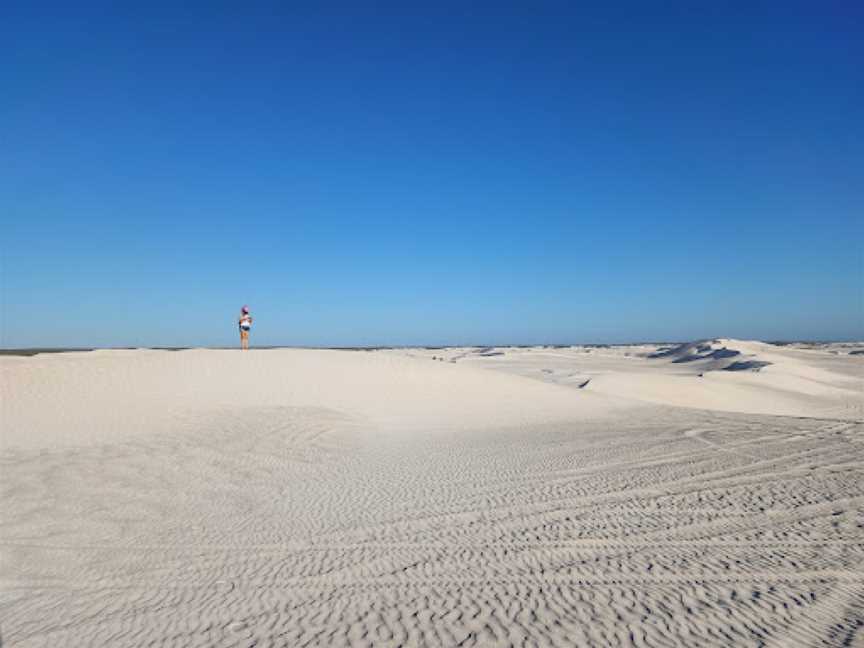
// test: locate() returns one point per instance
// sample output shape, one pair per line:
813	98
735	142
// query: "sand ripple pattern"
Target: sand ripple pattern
299	527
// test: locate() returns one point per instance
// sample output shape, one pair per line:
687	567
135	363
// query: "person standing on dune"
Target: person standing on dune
245	323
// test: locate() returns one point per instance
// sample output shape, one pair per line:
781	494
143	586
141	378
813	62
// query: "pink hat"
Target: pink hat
245	309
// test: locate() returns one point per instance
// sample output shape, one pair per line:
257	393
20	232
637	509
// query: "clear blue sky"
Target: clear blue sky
447	173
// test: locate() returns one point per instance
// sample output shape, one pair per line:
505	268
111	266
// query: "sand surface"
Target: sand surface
703	495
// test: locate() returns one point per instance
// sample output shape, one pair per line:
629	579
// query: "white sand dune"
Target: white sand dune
325	498
723	374
75	398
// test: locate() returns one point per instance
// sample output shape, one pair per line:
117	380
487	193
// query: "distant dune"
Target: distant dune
793	380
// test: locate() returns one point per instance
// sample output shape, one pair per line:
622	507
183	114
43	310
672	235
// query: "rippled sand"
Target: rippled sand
290	498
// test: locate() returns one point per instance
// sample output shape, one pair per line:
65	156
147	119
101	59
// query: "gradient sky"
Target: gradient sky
439	174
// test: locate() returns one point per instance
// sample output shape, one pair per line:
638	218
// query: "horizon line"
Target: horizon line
34	350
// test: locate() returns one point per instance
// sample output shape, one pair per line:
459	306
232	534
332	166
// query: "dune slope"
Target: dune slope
78	398
723	374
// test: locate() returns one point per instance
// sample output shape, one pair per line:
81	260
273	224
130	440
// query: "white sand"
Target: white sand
289	498
795	382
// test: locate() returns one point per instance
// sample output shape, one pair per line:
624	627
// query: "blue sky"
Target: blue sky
440	174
